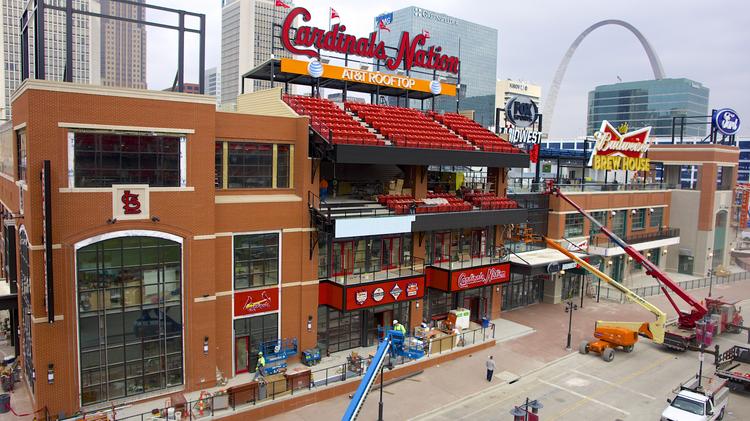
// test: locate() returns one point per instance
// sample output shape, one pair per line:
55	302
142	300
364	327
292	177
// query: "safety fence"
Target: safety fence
648	291
239	398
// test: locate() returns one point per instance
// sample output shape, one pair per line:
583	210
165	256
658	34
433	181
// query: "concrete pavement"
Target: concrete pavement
529	354
582	387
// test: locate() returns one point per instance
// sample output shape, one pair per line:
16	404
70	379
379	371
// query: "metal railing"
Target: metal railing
498	254
651	290
662	233
525	185
530	200
411	266
239	398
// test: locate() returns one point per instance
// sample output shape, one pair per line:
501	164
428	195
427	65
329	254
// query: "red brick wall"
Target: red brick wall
207	267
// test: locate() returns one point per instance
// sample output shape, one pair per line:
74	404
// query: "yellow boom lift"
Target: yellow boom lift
610	335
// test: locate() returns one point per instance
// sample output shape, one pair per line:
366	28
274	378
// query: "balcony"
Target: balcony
665	236
464	271
359	274
349	217
528	186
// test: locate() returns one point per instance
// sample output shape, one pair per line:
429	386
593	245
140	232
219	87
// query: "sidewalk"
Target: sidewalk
20	399
514	357
642	281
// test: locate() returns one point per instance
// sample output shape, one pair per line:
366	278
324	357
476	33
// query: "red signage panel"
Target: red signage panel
479	277
247	303
378	293
438	278
331	294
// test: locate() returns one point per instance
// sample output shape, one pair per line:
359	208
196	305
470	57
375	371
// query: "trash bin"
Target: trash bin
4	403
485	322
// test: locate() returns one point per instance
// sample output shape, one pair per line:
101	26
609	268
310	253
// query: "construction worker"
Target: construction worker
259	368
398	327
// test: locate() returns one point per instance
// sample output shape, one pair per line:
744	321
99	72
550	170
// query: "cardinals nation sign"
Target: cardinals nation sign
614	150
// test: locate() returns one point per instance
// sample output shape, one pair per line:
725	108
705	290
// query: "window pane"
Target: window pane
103	159
256	260
131	316
250	165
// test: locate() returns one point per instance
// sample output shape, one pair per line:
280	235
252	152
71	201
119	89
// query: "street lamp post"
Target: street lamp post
570	307
710	281
521	413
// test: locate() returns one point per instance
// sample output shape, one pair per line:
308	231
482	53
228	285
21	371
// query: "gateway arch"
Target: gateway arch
549	105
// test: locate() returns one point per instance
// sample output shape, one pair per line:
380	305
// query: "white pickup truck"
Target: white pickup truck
707	402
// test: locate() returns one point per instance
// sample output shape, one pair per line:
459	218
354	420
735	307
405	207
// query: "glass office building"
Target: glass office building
474	44
649	103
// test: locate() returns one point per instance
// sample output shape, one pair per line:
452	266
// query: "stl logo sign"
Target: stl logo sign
131	203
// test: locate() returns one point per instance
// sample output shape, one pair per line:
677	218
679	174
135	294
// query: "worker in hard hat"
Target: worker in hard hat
398	327
260	366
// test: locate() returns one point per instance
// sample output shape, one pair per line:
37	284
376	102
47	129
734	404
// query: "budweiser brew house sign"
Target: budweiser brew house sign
618	149
307	40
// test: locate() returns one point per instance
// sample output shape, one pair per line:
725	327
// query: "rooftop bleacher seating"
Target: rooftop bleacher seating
490	200
407	127
474	132
332	122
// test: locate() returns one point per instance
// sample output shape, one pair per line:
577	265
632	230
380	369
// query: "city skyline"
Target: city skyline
527	53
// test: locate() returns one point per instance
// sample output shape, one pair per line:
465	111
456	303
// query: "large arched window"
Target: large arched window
28	350
129	315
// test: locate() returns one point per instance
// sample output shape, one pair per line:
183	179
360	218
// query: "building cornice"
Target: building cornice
78	88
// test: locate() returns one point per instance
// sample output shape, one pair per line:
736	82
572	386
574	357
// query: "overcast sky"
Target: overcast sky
701	40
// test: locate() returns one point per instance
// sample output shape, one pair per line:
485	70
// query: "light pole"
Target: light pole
521	413
710	281
570	307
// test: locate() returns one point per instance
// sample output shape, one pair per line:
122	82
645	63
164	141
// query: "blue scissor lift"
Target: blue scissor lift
276	353
394	344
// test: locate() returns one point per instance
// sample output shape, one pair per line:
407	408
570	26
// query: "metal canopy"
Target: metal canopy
273	67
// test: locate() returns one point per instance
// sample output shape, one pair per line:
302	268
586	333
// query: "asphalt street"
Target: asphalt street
634	386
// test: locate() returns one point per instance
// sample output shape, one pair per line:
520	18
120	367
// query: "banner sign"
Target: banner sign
247	303
309	40
328	71
379	293
479	277
619	150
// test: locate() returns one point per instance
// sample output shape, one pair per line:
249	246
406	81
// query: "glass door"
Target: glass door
342	258
242	354
391	252
477	243
442	247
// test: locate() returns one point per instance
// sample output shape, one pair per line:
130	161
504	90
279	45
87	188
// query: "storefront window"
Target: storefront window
439	303
522	290
28	351
256	260
251	165
655	220
600	217
130	317
364	255
573	225
639	220
343	329
249	334
104	159
619	222
460	245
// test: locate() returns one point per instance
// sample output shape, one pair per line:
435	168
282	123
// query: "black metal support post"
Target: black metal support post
68	74
39	69
583	287
570	307
380	404
598	290
181	54
202	57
